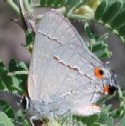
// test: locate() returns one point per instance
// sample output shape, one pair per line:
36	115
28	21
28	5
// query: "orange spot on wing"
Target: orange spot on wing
98	73
106	89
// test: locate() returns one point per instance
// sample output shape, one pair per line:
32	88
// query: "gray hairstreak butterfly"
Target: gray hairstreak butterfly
64	76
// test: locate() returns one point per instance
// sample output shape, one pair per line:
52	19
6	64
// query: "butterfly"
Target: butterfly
64	76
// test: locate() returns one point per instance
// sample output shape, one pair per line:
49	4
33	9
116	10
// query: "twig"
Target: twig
13	5
17	73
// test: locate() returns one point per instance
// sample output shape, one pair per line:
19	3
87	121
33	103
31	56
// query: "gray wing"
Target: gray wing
61	64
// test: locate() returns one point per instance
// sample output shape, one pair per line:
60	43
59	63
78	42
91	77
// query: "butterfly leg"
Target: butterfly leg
32	119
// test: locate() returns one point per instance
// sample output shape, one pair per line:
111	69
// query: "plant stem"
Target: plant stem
13	6
17	73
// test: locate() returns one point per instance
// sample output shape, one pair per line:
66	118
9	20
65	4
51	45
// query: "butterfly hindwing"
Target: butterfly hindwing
61	64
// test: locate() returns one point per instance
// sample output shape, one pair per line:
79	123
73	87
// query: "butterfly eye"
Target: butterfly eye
98	73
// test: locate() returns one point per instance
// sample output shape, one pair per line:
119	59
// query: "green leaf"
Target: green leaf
43	2
5	80
97	44
109	121
92	119
118	19
29	38
87	120
52	3
101	9
16	84
96	124
104	53
21	118
15	79
23	66
122	122
103	117
15	66
30	1
112	9
88	31
112	14
4	120
6	108
12	65
59	2
121	30
1	63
